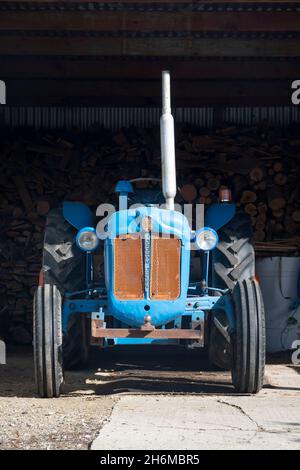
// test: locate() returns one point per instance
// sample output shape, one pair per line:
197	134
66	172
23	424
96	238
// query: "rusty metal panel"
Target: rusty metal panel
165	268
128	268
171	333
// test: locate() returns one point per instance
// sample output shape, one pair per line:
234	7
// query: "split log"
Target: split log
213	184
262	186
276	201
290	226
250	209
280	179
204	192
296	216
278	167
188	192
278	214
248	196
256	174
261	218
262	208
260	226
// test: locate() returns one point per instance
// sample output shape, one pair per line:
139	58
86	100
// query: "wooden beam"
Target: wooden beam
183	88
143	68
150	21
103	46
148	92
220	101
210	2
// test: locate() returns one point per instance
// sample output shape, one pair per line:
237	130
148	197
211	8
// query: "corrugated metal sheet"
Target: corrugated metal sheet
114	118
282	115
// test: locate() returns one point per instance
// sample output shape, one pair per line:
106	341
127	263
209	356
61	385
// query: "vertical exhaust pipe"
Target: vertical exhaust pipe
167	142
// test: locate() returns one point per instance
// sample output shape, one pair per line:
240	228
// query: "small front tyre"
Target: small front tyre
248	344
47	341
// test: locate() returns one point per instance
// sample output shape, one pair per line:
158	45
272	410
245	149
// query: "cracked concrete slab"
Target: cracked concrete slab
202	422
146	399
207	417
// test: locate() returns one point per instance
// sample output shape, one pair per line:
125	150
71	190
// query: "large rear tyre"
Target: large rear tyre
233	260
248	343
234	257
63	266
47	341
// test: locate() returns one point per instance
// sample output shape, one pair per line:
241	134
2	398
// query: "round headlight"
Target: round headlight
87	239
206	239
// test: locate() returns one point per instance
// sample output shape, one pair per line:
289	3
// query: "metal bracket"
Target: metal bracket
172	333
97	323
222	329
75	306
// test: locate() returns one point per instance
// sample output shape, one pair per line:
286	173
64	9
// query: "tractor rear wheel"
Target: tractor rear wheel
233	260
248	343
47	341
64	267
234	257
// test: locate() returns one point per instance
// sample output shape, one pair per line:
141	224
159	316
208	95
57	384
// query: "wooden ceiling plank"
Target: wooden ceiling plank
131	68
248	21
170	47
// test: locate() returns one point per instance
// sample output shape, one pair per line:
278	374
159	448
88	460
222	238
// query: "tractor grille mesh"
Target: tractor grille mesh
165	269
128	268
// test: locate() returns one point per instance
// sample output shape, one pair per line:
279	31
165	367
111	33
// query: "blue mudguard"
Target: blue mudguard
78	214
219	215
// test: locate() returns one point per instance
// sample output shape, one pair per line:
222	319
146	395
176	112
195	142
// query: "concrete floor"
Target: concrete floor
149	399
202	422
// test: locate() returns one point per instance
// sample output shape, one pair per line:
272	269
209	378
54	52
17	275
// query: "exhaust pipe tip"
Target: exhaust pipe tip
167	143
166	92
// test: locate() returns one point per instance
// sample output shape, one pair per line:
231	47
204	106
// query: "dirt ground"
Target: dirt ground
74	420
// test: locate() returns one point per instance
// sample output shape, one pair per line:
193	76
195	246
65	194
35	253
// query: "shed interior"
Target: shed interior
83	99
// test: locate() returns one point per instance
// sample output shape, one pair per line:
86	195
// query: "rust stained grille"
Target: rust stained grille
128	268
165	268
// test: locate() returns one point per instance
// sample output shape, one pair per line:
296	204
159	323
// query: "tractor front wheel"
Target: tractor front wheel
47	341
249	341
63	266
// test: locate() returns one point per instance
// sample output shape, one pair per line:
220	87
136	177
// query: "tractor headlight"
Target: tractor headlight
87	239
206	239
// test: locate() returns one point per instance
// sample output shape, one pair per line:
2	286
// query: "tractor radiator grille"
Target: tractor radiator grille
128	268
165	268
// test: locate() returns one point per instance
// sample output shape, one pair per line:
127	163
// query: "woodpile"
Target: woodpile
260	165
40	170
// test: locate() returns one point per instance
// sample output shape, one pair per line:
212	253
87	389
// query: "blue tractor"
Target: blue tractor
148	294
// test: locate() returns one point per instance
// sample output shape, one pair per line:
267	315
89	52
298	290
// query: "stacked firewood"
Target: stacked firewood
261	167
40	170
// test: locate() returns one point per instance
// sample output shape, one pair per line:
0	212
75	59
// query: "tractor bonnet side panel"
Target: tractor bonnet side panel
147	267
